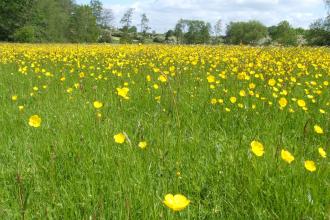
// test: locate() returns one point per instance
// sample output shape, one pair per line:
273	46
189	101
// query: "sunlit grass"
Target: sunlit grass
106	132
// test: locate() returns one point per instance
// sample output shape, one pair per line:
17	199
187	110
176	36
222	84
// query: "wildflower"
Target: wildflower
252	86
318	129
211	79
272	82
257	148
214	101
98	104
123	92
310	165
177	202
301	103
69	90
21	107
143	144
14	97
287	156
322	152
119	138
35	121
322	111
162	78
283	102
233	100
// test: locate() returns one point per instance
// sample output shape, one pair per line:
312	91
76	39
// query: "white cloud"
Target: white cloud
164	14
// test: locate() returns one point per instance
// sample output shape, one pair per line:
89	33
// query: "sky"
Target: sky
164	14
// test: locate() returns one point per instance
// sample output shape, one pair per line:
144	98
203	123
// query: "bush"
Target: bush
25	34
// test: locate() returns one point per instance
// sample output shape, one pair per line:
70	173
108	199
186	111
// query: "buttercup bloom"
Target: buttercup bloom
143	144
287	156
177	202
322	152
310	165
257	148
35	121
119	138
318	129
98	104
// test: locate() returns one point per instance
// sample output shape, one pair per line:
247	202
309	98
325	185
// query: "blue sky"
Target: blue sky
163	14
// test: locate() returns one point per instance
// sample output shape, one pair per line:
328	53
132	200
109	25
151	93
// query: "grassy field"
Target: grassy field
241	132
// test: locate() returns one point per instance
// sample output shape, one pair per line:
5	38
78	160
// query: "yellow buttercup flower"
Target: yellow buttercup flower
162	78
98	104
14	97
211	79
322	152
119	138
283	102
301	103
318	129
214	101
123	92
242	93
143	144
257	148
35	121
233	100
310	166
272	82
287	156
177	202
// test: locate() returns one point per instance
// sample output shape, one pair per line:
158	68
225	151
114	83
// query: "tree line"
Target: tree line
66	21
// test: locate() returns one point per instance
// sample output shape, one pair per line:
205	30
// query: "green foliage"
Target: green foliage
25	34
319	33
83	27
14	14
246	32
52	19
283	33
126	39
97	8
192	31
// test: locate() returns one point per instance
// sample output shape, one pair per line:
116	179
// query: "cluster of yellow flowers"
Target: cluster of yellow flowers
258	149
232	80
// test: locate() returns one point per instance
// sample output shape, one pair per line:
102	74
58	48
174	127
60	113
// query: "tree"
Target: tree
83	26
144	24
198	32
107	18
245	32
180	30
217	30
283	33
51	19
97	8
169	34
126	21
127	18
319	32
14	14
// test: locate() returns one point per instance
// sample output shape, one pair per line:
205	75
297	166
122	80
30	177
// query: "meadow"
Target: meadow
108	132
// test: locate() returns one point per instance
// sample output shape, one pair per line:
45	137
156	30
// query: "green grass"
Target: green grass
71	168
